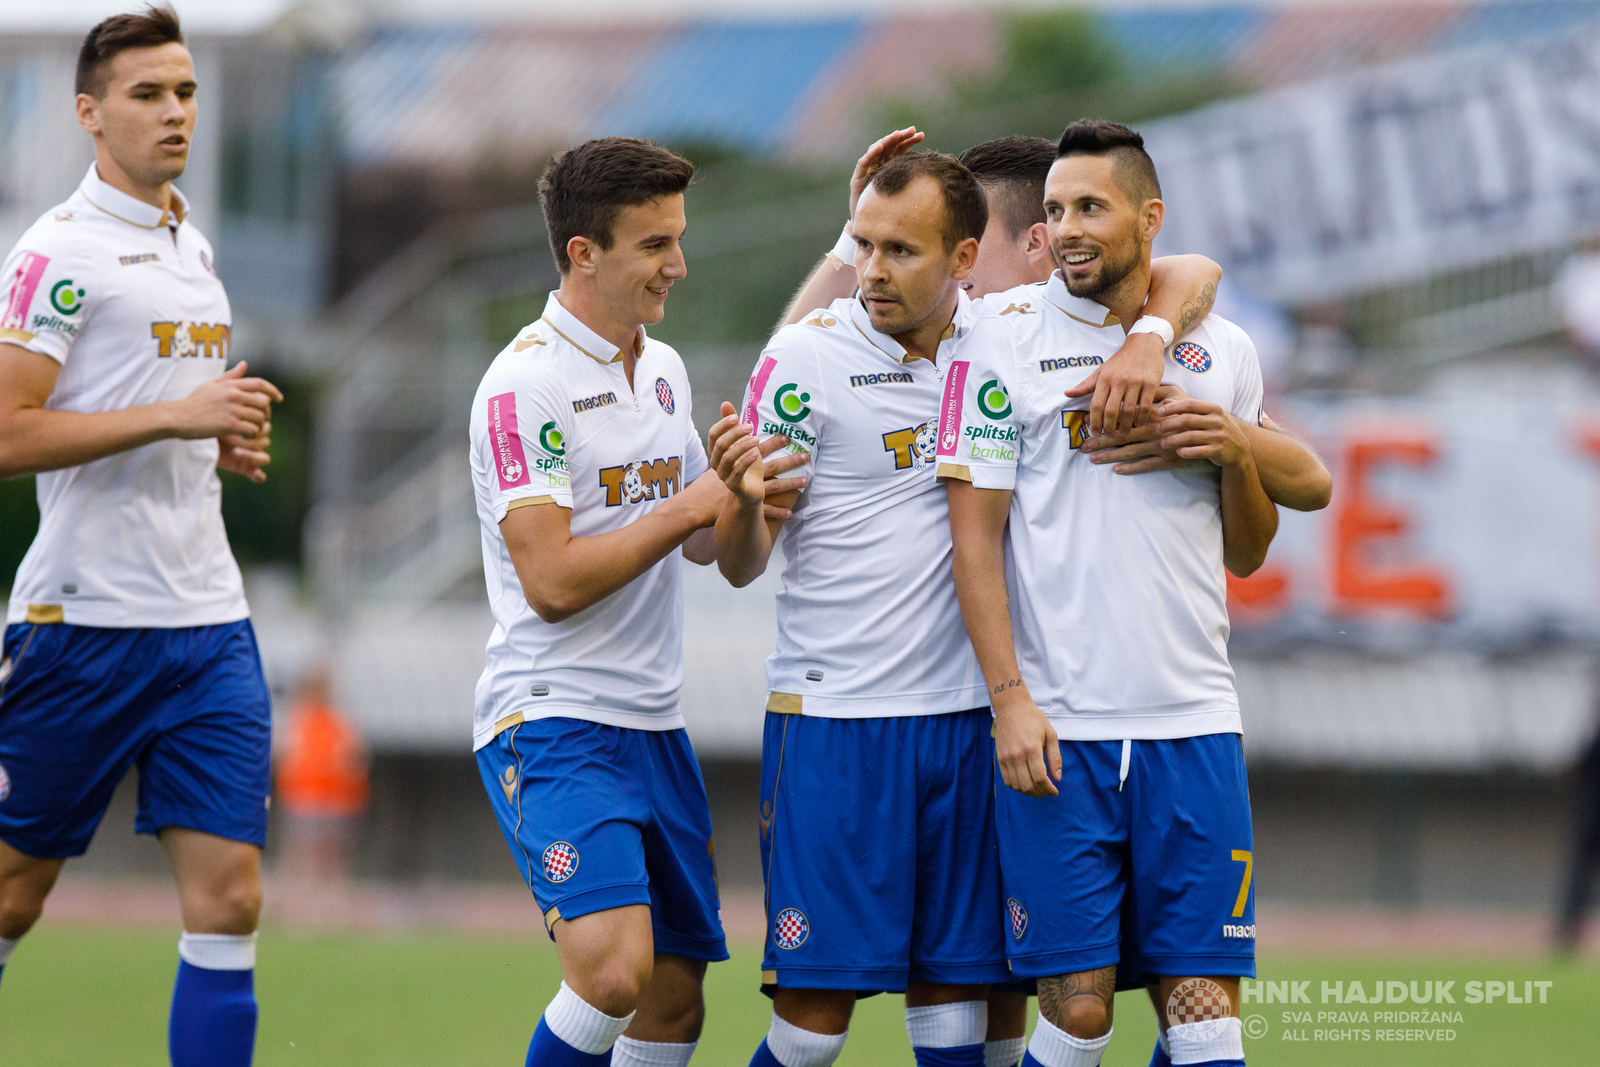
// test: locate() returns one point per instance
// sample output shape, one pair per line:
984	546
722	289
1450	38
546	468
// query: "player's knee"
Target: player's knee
1085	1018
20	908
615	987
232	907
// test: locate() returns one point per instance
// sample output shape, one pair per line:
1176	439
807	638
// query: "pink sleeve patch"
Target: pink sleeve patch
24	283
758	385
955	394
511	462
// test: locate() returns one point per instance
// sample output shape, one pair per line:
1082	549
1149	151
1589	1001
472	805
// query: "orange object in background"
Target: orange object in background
1361	518
322	769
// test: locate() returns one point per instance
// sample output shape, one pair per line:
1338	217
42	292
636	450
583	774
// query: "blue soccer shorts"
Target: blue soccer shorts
79	705
602	817
1154	874
879	852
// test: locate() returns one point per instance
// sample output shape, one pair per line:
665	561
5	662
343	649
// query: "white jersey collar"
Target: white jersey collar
130	209
966	312
585	340
1081	308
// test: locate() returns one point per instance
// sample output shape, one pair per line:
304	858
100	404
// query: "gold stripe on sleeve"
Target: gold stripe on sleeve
958	471
22	337
528	502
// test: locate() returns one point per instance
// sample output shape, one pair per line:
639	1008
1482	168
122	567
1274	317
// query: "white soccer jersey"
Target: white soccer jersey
126	298
1118	594
555	422
868	622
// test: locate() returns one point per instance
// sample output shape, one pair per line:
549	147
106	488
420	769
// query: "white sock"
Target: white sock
7	946
1054	1047
794	1047
581	1025
218	952
630	1053
1214	1039
948	1025
1006	1053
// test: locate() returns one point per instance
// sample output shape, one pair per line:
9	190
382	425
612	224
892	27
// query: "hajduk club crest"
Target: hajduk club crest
791	929
1190	355
664	395
1018	916
560	861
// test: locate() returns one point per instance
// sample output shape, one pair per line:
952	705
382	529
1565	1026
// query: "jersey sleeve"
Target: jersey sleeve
785	397
1247	384
978	426
523	444
47	295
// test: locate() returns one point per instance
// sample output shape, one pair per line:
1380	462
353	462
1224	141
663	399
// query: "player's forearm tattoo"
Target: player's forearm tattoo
1013	683
1057	994
1195	310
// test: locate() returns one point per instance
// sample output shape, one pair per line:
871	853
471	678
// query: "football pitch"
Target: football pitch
81	995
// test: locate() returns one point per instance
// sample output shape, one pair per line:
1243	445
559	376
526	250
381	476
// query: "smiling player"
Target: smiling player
128	637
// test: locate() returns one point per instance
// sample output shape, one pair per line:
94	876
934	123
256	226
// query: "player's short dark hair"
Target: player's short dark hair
1135	171
156	25
584	189
1012	171
966	210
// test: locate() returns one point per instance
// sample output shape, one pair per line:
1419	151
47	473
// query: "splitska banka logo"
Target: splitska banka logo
913	446
643	479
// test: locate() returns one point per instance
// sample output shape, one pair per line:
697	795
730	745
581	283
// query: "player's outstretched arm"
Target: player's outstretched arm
1026	746
1182	290
561	574
1198	430
760	499
34	438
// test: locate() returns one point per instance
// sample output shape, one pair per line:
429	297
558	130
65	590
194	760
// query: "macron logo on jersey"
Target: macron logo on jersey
23	285
510	461
955	389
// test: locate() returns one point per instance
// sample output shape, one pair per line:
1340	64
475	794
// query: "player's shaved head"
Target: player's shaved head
1012	172
585	188
1133	169
155	26
966	209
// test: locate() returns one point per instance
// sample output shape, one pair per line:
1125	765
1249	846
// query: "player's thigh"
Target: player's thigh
219	881
679	852
607	956
1063	862
207	768
841	852
25	881
958	934
1193	881
73	715
571	798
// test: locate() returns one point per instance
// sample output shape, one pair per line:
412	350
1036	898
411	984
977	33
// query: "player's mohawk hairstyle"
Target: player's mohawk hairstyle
1135	170
156	25
585	188
1012	171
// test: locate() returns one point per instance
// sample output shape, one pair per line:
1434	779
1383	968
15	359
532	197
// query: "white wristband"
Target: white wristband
844	250
1157	325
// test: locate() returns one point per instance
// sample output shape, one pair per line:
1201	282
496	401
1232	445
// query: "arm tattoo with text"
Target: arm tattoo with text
1003	686
1195	310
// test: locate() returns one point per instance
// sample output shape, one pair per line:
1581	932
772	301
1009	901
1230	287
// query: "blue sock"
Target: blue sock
548	1050
1159	1057
213	1022
955	1056
764	1056
1029	1061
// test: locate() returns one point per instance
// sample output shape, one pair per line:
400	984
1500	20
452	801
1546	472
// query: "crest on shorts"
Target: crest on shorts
791	929
5	782
1018	916
560	861
1190	355
664	395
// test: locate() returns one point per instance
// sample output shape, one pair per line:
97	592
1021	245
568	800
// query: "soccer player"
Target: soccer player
128	640
589	477
1097	606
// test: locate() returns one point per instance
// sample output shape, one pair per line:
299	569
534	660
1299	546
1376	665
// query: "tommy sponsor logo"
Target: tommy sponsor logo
1048	365
758	385
1018	916
135	260
955	384
560	861
914	446
886	378
24	283
185	339
589	403
1076	423
664	396
1192	356
790	929
643	479
510	461
1247	933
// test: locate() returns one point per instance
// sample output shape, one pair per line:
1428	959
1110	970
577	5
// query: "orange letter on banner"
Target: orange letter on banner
1361	519
1264	593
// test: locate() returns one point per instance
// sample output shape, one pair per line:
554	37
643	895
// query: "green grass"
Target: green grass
99	996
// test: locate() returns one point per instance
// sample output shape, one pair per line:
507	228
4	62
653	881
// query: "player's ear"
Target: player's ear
583	253
965	258
88	109
1154	213
1036	242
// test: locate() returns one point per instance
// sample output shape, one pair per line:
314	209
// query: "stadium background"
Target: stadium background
1405	198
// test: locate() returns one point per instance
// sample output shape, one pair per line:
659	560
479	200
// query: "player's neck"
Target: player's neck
585	304
923	341
1126	299
112	174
